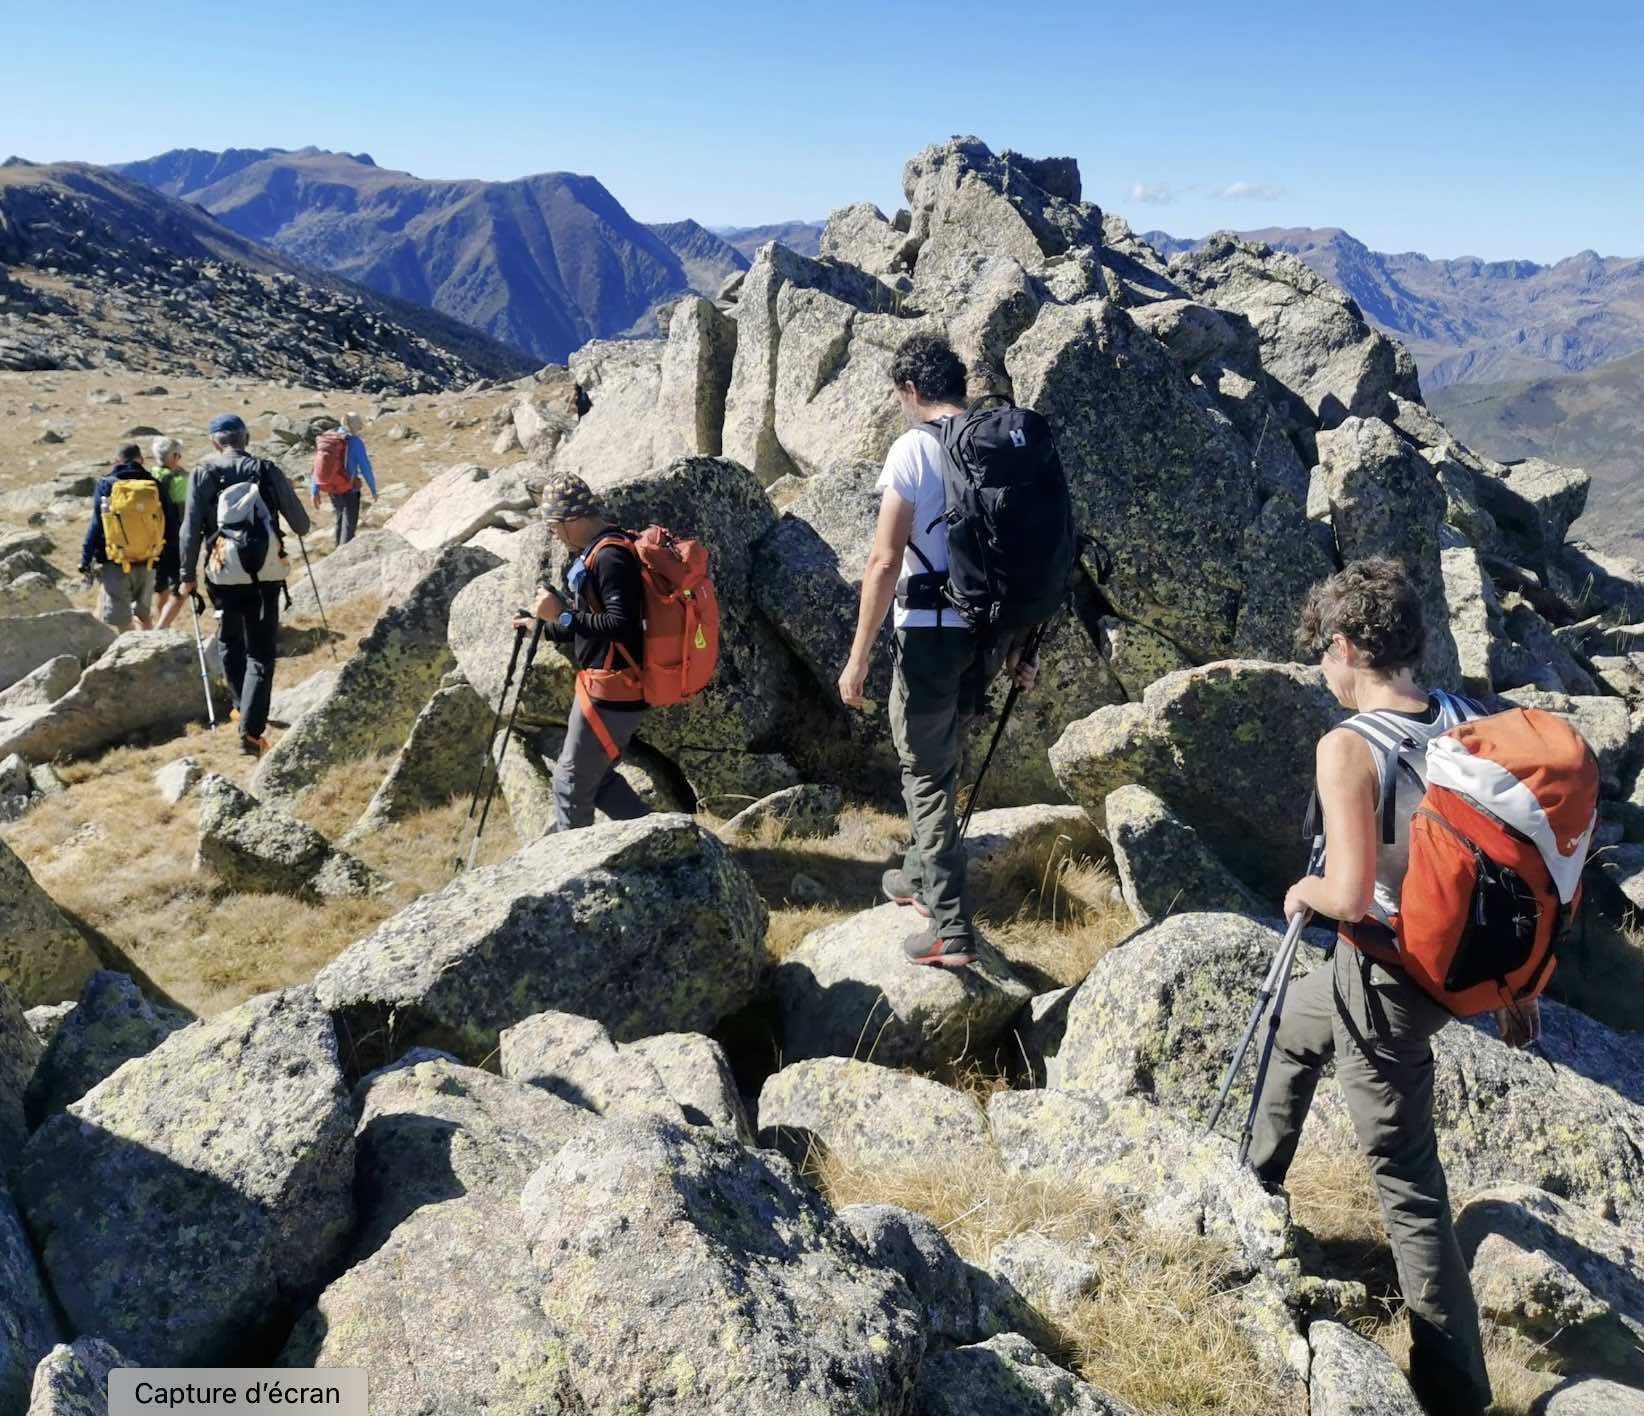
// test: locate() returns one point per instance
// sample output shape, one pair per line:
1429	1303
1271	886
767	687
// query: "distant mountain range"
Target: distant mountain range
544	263
1473	321
1593	420
805	237
96	267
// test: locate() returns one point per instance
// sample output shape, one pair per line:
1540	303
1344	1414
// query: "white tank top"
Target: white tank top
1398	743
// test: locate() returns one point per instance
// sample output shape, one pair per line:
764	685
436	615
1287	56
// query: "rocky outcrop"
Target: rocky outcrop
1315	342
1352	1376
440	759
1591	1396
941	1282
444	1153
111	1024
638	1232
43	957
1384	501
1247	803
1164	868
870	1116
41	687
145	682
847	991
805	810
180	1221
28	1327
375	701
698	1076
569	923
1560	1275
20	1049
72	1379
460	502
574	1059
373	566
253	847
31	640
1007	1376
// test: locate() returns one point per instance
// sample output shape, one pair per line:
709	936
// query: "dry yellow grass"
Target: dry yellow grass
1160	1331
1052	913
1520	1371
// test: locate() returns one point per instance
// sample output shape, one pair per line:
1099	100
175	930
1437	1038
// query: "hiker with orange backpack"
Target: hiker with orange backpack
644	633
1453	847
130	521
342	467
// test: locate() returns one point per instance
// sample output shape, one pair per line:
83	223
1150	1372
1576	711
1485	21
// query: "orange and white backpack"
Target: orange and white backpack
1496	849
681	649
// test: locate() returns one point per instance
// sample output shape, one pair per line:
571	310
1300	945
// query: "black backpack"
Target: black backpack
1011	543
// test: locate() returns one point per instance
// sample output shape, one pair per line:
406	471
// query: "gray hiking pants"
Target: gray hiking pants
347	507
1377	1025
940	685
585	779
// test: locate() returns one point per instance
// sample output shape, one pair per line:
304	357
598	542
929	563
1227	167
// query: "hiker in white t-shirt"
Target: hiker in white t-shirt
943	667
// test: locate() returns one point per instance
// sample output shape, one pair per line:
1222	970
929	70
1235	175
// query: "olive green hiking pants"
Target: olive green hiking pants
1377	1025
940	685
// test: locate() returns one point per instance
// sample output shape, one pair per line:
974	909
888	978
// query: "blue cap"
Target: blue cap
227	423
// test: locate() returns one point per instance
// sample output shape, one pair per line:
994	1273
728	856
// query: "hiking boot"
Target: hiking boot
899	890
253	746
929	948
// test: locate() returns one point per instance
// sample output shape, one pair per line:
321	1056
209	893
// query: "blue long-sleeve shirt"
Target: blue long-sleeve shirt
357	463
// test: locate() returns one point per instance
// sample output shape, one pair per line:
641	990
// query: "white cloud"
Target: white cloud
1249	192
1151	193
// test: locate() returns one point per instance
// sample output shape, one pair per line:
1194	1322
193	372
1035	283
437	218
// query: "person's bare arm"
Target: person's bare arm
890	541
1346	774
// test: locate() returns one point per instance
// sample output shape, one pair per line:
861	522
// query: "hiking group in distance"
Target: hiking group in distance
1448	840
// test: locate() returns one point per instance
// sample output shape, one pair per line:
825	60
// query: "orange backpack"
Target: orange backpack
681	649
1497	846
331	464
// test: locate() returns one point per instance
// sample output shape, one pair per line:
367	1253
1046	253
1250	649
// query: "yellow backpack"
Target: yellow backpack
134	526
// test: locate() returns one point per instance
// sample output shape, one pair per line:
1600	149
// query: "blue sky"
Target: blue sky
1499	130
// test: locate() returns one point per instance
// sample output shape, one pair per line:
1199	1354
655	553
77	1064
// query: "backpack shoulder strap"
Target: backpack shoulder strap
1389	743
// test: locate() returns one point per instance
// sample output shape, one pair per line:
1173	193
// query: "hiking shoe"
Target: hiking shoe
253	746
899	890
929	948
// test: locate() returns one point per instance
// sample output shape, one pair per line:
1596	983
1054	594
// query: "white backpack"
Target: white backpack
246	548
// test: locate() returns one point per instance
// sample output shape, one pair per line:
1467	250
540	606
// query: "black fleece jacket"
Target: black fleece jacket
609	609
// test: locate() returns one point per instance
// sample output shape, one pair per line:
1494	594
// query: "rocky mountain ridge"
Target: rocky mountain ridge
1471	321
89	258
544	263
504	1077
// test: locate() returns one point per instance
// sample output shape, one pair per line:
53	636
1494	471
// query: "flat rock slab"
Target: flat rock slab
571	923
179	1220
439	760
287	705
28	641
870	1115
805	810
1591	1396
575	1059
260	849
460	502
146	682
1007	1376
41	687
849	991
1032	829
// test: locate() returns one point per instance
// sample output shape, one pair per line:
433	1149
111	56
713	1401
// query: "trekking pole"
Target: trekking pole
1029	650
312	585
194	604
491	738
507	737
1273	989
1283	959
1291	939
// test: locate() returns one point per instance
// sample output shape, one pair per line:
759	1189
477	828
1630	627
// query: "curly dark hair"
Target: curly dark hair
927	361
129	452
1374	604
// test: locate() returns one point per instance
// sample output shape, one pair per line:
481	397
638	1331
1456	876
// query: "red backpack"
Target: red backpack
331	464
681	649
1497	846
